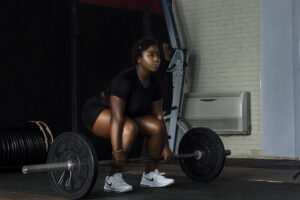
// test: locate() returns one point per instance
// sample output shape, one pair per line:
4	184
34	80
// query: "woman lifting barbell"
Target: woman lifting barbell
131	105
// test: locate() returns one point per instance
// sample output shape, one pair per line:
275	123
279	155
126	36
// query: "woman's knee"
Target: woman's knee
130	128
157	127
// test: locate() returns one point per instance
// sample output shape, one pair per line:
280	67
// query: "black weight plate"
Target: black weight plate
213	154
8	150
29	148
78	149
20	147
13	146
6	147
14	149
2	151
5	150
19	160
11	151
26	150
36	150
34	155
18	150
43	143
23	149
42	147
32	148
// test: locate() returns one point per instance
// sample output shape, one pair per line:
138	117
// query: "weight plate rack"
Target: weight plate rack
24	145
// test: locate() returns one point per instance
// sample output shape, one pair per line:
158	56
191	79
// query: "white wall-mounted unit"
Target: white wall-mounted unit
225	113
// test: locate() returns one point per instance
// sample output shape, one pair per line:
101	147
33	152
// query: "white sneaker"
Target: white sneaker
155	179
116	183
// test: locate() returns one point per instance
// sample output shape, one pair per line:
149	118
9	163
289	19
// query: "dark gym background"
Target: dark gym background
35	63
44	43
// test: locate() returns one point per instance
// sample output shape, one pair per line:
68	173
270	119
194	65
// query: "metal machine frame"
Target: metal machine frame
177	67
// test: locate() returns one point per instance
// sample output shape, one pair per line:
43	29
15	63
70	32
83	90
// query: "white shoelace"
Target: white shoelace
118	178
159	173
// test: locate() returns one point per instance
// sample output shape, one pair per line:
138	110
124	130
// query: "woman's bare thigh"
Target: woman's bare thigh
102	124
148	125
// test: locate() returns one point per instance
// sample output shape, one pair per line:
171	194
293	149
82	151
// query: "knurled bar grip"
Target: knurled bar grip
47	167
197	155
68	165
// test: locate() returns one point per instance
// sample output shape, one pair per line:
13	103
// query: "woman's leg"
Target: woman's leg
101	128
151	128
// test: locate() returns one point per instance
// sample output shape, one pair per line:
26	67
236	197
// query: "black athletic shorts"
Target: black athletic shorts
91	110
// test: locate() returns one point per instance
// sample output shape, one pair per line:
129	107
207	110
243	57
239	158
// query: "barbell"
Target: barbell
72	161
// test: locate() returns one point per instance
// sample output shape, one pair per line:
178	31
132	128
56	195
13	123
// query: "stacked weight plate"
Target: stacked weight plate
24	145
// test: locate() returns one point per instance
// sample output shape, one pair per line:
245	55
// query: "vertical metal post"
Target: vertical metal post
170	21
178	74
176	66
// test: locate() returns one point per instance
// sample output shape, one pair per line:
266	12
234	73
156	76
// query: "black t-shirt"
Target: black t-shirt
127	86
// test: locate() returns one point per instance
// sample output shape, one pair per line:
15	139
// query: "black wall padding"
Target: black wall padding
34	64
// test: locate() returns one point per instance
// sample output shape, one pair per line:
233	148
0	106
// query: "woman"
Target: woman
131	105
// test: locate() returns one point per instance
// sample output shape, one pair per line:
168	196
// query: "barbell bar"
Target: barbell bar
42	168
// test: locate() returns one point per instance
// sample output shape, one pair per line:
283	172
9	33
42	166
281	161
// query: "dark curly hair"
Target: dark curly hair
140	46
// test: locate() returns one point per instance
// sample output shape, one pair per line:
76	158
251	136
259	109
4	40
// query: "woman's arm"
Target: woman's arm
116	126
117	120
157	112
